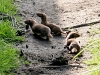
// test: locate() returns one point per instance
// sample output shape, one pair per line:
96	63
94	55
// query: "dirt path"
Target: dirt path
65	14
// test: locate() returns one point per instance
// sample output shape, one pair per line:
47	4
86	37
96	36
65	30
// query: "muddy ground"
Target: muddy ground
75	14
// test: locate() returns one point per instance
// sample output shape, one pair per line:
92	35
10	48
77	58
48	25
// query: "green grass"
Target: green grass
94	62
93	47
9	56
8	33
6	6
93	31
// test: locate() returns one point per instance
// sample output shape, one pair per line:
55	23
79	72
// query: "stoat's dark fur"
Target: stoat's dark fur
71	43
54	28
40	29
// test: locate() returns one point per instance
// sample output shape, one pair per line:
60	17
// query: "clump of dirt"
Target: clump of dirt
74	14
59	61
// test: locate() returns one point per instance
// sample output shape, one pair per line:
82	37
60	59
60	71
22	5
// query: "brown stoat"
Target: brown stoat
39	29
54	28
72	46
71	43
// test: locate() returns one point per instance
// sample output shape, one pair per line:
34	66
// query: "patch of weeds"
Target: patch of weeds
8	58
94	49
26	62
94	32
6	6
8	33
97	31
94	63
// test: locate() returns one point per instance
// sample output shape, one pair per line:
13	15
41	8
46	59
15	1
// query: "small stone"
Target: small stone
33	3
46	48
76	68
59	48
59	42
53	47
18	0
98	15
88	32
26	46
77	60
31	69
